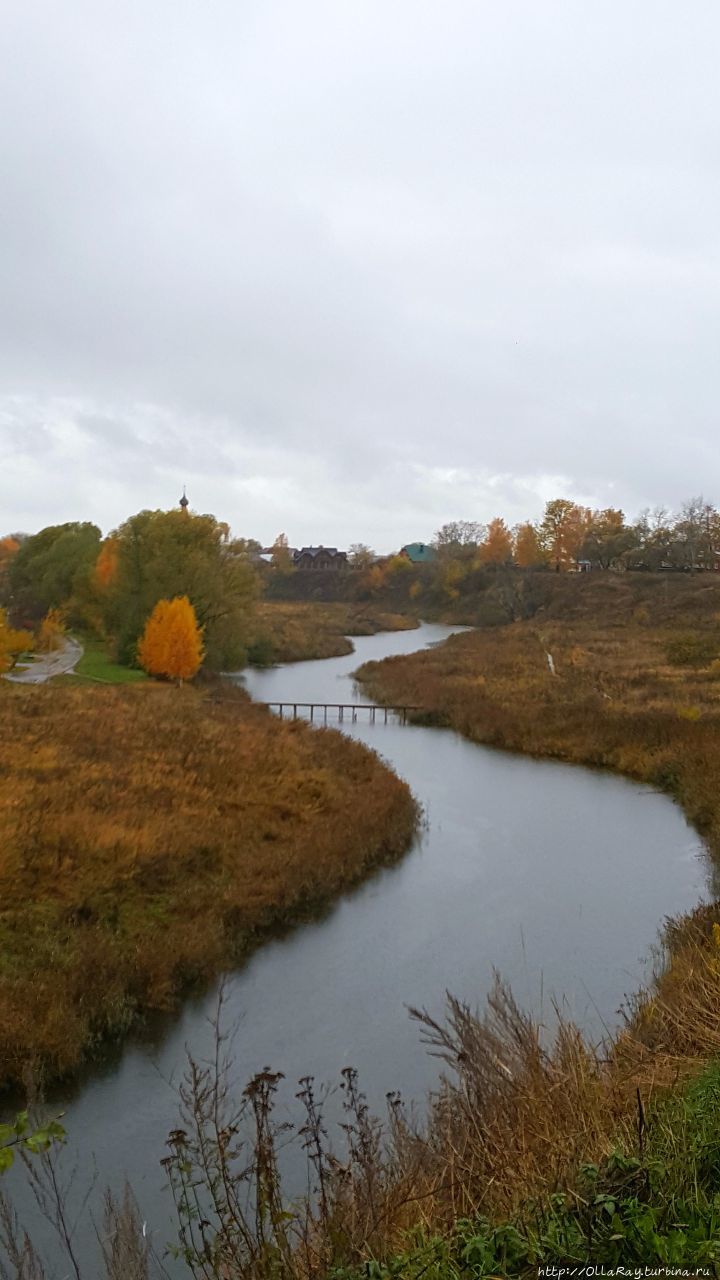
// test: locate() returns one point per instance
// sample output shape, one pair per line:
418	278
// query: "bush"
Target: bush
693	650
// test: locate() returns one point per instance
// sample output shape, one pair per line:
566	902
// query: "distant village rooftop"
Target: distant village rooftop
319	558
418	552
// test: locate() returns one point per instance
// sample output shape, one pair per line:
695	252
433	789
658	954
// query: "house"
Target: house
418	553
320	559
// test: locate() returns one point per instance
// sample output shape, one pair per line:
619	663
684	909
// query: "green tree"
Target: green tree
51	570
165	554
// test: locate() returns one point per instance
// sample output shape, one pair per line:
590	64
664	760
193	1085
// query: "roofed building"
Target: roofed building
418	553
320	559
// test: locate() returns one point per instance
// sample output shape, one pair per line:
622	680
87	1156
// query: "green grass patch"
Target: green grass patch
97	665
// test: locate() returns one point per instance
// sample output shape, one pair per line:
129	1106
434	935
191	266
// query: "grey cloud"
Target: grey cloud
313	259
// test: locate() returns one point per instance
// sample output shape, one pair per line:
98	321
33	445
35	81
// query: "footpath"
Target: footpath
46	665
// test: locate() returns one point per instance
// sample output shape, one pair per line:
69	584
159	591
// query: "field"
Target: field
296	631
150	836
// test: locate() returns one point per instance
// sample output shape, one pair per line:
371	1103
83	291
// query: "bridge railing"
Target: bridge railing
320	710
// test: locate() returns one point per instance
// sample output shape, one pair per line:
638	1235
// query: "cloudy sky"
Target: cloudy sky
352	268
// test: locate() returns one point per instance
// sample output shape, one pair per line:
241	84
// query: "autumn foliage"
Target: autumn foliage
171	644
528	552
9	547
498	545
636	685
106	565
12	643
51	632
148	838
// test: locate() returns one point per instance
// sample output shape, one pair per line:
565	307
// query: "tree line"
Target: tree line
111	587
569	535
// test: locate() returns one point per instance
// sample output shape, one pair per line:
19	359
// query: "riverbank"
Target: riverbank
521	1120
299	632
518	1115
641	701
652	1204
150	838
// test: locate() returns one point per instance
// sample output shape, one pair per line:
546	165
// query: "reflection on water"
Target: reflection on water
557	876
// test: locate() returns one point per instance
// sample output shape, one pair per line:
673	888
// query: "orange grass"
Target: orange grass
614	702
294	632
521	1118
149	836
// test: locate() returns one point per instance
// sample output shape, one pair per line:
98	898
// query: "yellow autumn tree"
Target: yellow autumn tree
52	631
106	565
498	546
281	559
562	531
171	643
12	643
528	552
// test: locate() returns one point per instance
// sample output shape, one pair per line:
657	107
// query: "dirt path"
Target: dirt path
58	663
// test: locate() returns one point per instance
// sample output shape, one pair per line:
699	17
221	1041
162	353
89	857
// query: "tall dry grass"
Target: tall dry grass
640	696
299	631
516	1115
149	837
616	697
512	1124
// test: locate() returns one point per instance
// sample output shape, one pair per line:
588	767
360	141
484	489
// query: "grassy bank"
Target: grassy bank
534	1151
497	1173
636	697
149	837
531	1151
655	1202
97	666
297	631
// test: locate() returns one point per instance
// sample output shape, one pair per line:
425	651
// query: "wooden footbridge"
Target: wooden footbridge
319	710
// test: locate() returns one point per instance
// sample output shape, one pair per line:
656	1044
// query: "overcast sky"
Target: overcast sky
352	268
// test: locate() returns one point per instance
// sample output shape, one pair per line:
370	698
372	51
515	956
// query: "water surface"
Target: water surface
556	875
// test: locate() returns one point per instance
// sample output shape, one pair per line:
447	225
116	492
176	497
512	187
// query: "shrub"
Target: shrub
697	649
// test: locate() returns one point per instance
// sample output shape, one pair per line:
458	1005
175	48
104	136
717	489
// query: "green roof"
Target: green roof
419	552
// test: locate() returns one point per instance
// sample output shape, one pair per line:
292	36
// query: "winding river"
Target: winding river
557	876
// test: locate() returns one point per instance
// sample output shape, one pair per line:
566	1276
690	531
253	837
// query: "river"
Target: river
556	875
